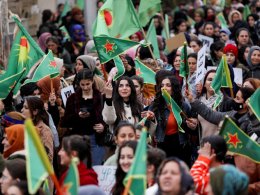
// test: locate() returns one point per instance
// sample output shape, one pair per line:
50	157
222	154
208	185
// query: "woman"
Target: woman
173	178
53	44
180	25
124	131
125	158
208	30
196	44
176	67
14	170
83	114
124	104
234	16
89	62
76	146
192	63
139	86
253	61
13	141
167	134
252	83
33	108
251	20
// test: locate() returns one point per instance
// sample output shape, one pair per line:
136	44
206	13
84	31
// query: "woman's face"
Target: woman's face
125	133
194	46
243	37
86	85
224	37
25	110
6	143
255	57
208	82
52	46
126	158
124	90
5	181
79	66
177	62
230	58
137	87
235	17
134	37
192	62
197	17
251	21
166	84
156	22
64	157
170	178
182	27
209	30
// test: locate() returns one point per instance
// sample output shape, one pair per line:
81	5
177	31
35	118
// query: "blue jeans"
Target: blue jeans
97	152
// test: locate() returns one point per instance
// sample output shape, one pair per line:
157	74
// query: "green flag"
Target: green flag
71	182
7	84
135	180
46	187
222	4
108	47
47	67
184	67
175	108
65	33
147	9
65	10
116	18
191	21
166	31
81	4
222	76
254	103
146	73
25	52
152	37
120	67
238	141
222	20
246	12
35	168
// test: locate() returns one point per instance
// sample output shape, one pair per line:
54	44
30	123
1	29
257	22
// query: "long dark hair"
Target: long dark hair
204	81
36	104
120	174
80	144
159	102
135	105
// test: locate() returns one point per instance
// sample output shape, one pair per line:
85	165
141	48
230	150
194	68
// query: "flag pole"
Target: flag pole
140	26
56	184
128	185
51	85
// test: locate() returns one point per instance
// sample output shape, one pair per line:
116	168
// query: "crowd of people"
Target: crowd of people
100	122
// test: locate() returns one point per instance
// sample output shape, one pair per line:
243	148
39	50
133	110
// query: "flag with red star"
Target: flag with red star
146	73
238	141
116	18
109	47
47	67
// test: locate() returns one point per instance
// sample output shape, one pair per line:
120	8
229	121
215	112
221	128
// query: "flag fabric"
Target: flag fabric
81	4
120	67
147	9
222	76
152	37
71	182
176	110
108	47
184	67
136	179
166	31
47	67
222	20
146	73
238	141
46	187
38	166
8	84
65	33
246	12
65	10
254	103
222	4
191	21
25	52
116	18
142	122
